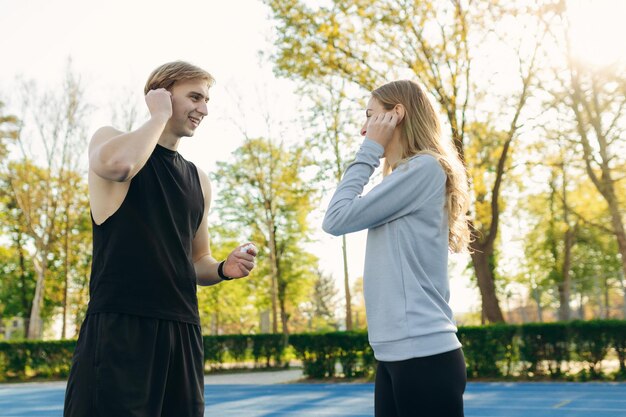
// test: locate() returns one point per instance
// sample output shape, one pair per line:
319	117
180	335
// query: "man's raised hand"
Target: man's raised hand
159	103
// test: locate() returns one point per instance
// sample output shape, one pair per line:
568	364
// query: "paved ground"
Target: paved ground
269	394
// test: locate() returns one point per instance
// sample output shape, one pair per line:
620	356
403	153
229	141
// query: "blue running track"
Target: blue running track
354	400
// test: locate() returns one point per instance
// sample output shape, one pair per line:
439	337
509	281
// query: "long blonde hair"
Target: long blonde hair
421	134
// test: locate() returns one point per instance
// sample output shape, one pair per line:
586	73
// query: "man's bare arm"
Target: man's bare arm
238	264
118	156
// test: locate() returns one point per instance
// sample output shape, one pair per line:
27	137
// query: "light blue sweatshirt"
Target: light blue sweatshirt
406	260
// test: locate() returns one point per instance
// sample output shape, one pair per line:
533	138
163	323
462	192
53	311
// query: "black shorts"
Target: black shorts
127	365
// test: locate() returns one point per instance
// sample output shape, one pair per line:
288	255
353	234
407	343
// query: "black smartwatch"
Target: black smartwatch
220	272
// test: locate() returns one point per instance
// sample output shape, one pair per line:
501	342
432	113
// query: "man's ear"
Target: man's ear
400	111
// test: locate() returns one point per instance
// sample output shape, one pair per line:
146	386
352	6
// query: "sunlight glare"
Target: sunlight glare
597	30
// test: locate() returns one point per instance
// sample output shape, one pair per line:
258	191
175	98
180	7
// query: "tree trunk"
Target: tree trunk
284	317
566	284
618	229
587	115
274	273
486	284
346	283
524	313
26	306
621	280
217	319
66	272
282	298
564	296
35	330
607	301
598	292
581	309
537	297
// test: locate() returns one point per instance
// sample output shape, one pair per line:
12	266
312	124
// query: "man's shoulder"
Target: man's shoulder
103	133
204	177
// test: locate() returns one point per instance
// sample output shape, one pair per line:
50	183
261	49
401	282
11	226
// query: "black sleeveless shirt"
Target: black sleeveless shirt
142	261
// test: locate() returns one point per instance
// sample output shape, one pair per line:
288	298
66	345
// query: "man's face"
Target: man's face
189	106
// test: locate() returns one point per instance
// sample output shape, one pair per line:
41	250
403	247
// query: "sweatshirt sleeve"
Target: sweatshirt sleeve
403	191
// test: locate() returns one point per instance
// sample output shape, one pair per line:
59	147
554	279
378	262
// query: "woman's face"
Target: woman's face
373	108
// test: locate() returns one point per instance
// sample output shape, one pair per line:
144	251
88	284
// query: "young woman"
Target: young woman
414	217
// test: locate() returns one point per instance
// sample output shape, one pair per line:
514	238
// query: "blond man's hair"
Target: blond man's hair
421	134
168	74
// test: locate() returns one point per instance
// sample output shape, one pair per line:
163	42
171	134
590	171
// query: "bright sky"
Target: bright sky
598	30
115	44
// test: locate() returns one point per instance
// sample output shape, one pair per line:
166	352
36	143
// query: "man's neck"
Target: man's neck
169	141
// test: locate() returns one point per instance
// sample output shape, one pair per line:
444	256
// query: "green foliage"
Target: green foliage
557	214
230	307
489	350
266	193
320	352
63	229
617	332
17	284
238	346
45	190
29	359
591	342
497	351
536	350
367	44
265	349
214	349
544	347
9	126
319	310
317	355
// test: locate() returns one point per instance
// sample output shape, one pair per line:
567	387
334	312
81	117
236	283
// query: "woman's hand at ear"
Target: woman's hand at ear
380	127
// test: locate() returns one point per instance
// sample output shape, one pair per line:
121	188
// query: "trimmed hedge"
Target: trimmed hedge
23	359
489	350
265	350
27	359
565	350
572	350
320	352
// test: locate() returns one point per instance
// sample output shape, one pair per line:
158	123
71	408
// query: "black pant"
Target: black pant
431	386
131	366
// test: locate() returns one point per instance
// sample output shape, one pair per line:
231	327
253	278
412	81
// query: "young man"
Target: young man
139	351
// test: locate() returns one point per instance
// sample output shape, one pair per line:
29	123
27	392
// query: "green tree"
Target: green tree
50	141
333	128
595	100
71	265
320	308
8	130
229	307
18	283
366	43
360	319
265	192
568	258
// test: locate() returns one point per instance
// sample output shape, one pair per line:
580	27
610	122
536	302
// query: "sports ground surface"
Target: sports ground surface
270	394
